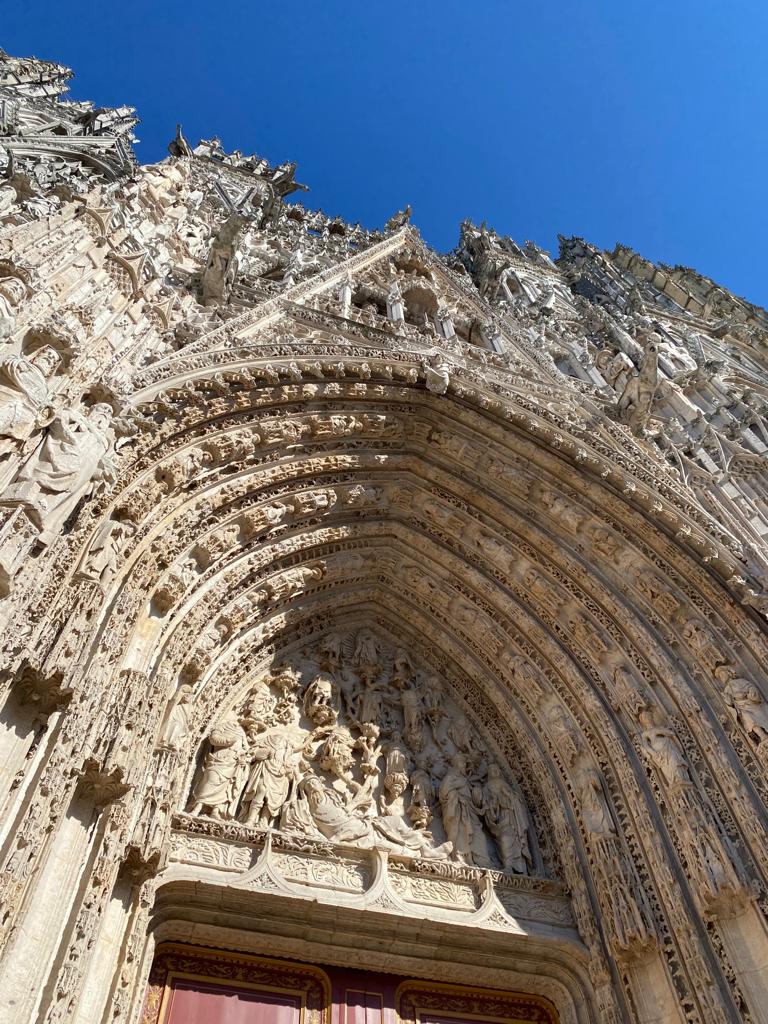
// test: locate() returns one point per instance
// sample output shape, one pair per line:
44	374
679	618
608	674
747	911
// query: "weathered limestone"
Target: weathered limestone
364	604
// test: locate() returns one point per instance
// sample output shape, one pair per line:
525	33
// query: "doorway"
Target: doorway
191	985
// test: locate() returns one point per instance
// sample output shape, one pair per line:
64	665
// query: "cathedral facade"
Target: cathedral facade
383	631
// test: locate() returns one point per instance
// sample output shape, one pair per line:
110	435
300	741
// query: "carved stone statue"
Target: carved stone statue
177	727
336	755
321	700
664	750
595	815
24	394
369	699
219	276
747	704
74	455
395	774
432	692
413	713
338	746
336	823
367	652
617	368
274	766
507	819
13	291
100	562
634	404
224	770
437	374
399	219
422	796
461	818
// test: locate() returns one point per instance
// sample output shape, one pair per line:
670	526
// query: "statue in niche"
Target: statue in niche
664	750
595	814
294	581
321	700
715	875
100	562
461	817
73	457
177	727
616	368
565	735
701	641
507	820
437	374
274	766
746	703
24	396
367	653
224	770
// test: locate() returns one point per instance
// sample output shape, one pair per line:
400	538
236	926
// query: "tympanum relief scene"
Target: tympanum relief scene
353	744
365	605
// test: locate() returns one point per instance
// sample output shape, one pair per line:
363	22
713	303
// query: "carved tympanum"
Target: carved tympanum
363	749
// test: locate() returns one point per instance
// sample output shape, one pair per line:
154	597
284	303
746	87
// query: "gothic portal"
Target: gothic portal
384	631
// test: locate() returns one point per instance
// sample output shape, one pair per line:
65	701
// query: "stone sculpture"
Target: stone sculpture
747	704
664	750
101	561
356	765
223	773
74	455
507	819
24	397
367	577
274	767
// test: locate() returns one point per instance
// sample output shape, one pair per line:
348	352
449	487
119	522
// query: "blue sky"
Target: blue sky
643	123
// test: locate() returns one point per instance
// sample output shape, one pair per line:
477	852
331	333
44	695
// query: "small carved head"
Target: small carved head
46	359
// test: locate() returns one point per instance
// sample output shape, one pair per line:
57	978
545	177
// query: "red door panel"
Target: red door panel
200	1002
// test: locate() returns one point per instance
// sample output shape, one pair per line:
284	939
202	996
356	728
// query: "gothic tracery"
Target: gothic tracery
337	573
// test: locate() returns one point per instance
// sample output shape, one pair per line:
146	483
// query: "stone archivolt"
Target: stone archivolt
341	577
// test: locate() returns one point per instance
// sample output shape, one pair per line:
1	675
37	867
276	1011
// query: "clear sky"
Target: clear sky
643	123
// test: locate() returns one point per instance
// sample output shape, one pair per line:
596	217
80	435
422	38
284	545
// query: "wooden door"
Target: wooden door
192	1001
189	985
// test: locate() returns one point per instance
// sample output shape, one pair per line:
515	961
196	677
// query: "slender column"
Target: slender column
105	955
746	942
654	996
26	965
